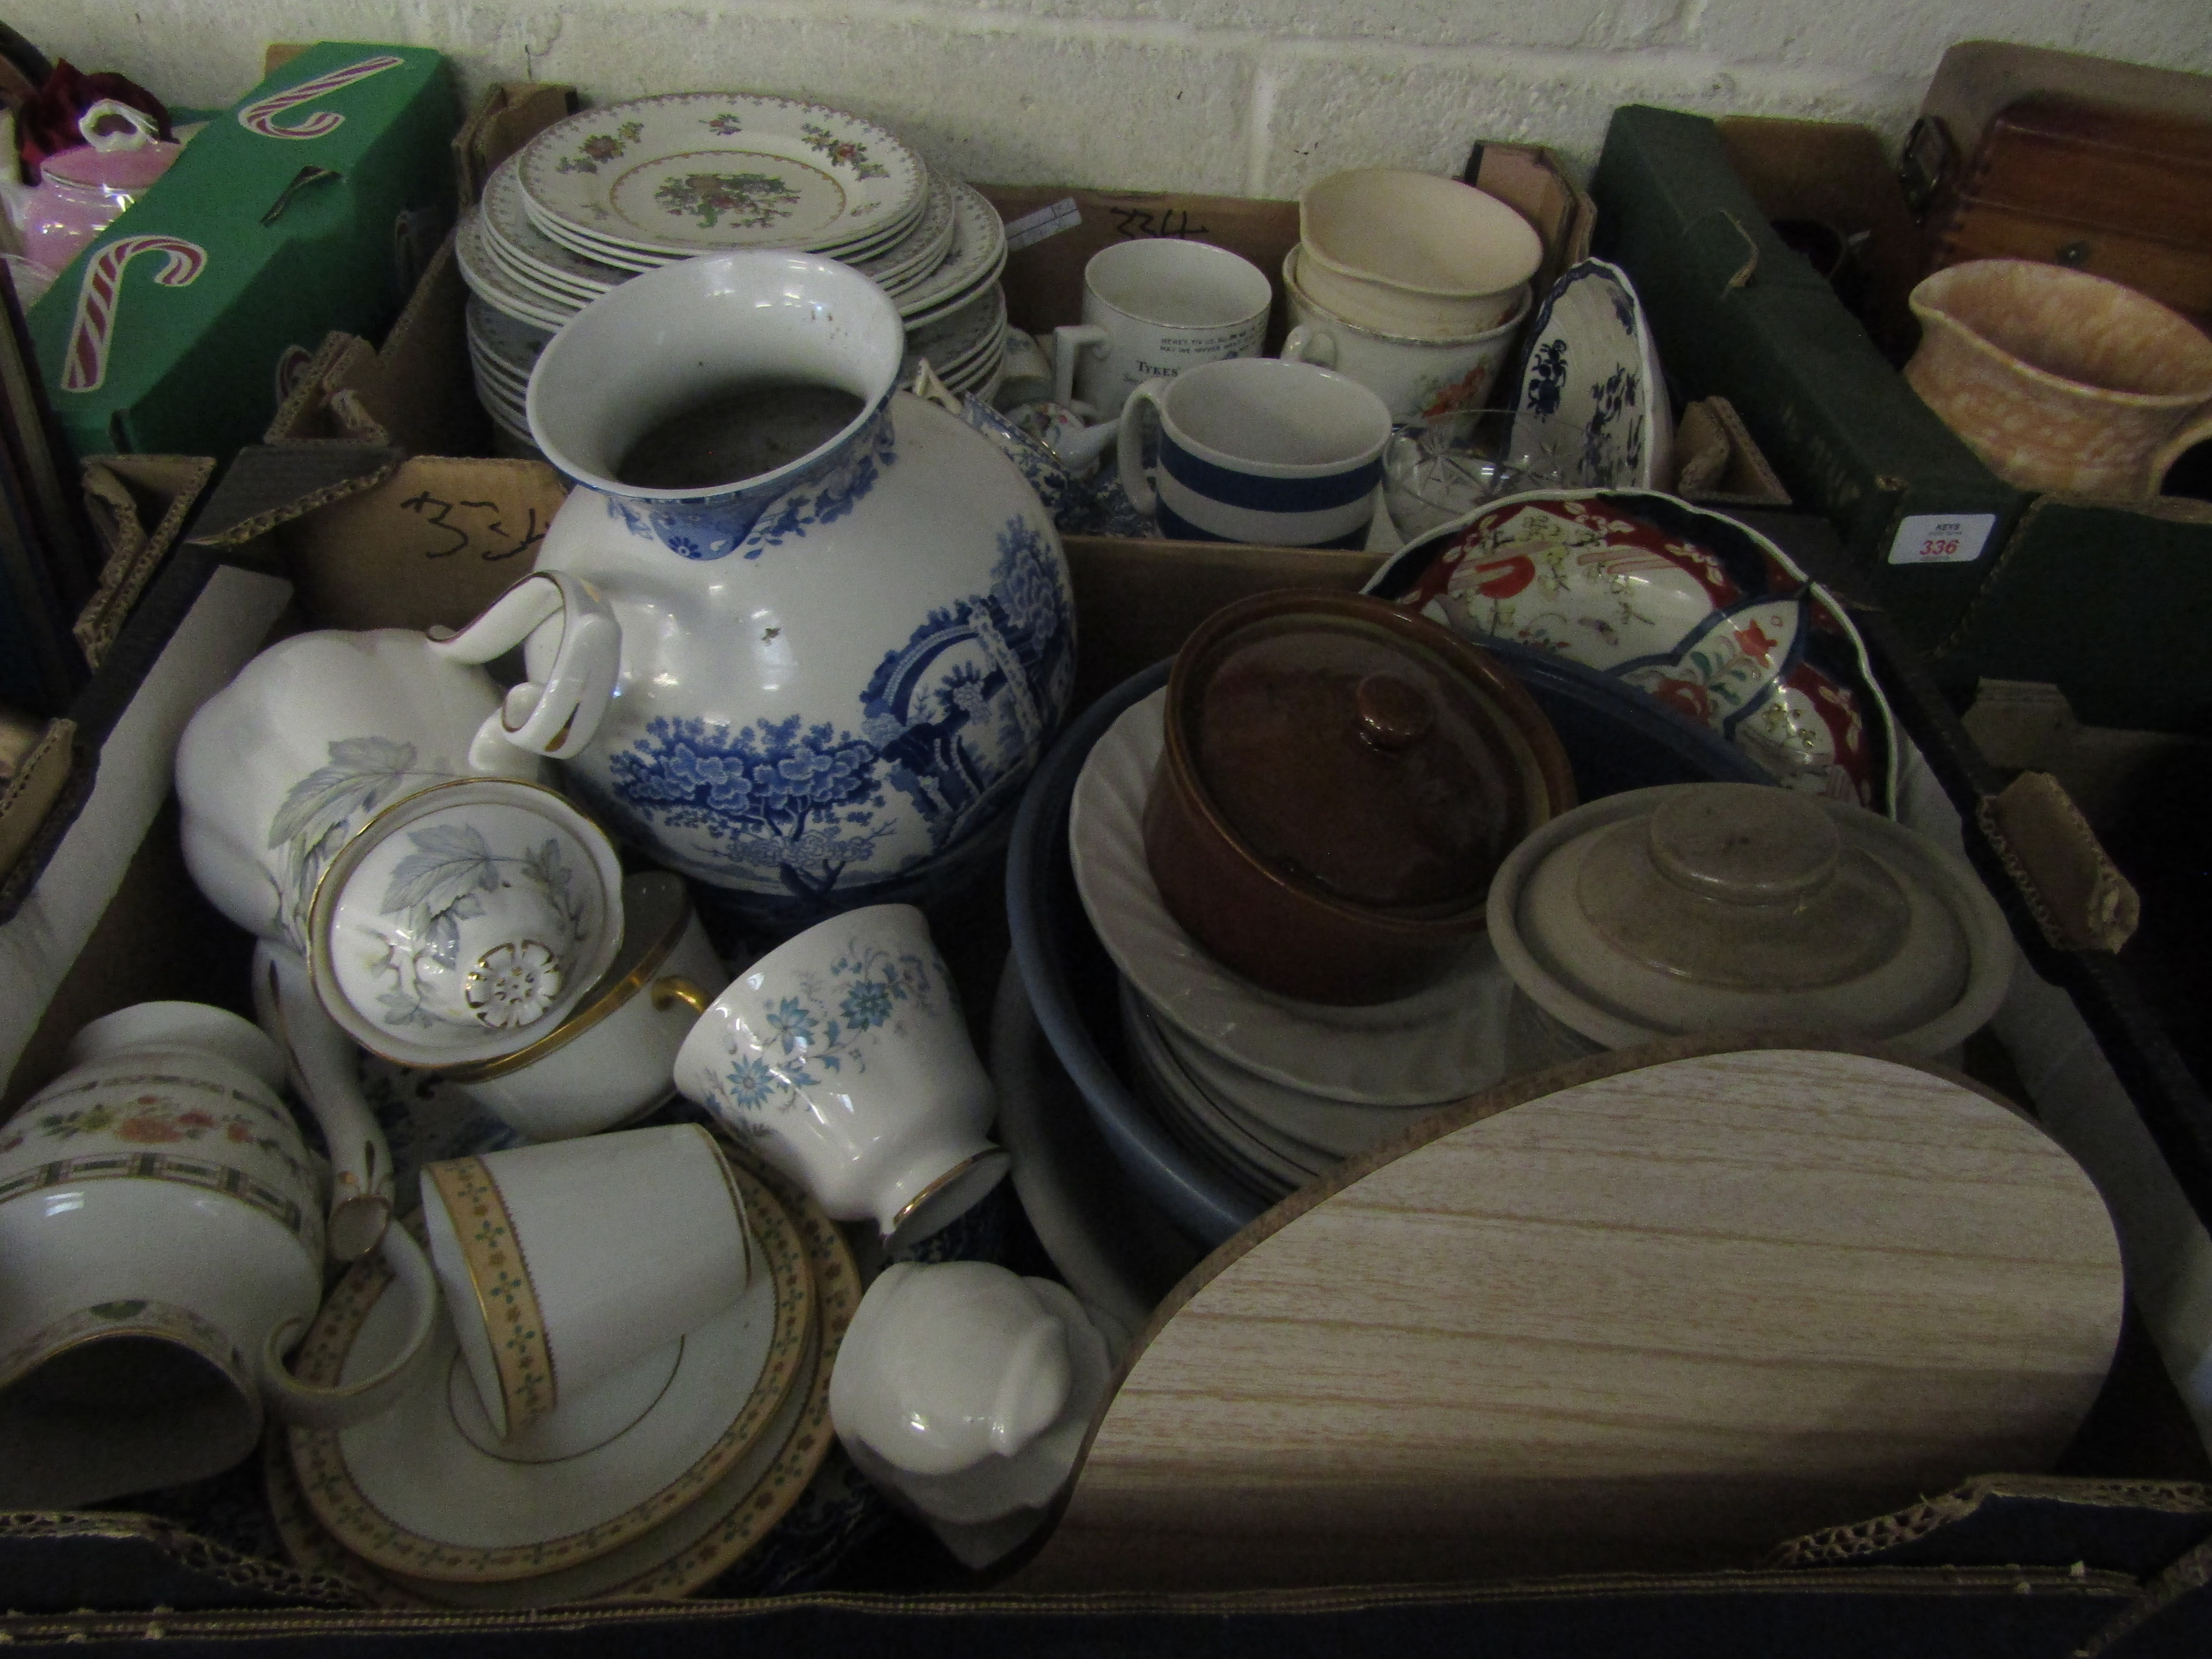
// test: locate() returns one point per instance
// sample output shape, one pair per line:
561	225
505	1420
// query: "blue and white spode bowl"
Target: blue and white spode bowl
834	672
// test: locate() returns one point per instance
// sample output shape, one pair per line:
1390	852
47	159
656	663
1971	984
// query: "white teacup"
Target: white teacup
1154	308
614	1059
1259	450
565	1264
1419	379
843	1057
161	1244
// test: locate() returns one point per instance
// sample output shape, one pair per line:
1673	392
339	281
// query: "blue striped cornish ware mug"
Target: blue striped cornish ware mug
1255	449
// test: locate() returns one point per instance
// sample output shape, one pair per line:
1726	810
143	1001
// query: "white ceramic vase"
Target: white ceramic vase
836	671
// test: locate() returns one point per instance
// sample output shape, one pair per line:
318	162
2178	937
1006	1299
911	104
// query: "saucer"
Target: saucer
1329	1129
692	1547
1184	1106
415	1492
1414	1051
1593	400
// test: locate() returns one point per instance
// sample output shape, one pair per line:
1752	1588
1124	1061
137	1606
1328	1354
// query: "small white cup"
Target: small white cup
613	1059
1153	308
563	1265
1417	380
843	1057
1259	450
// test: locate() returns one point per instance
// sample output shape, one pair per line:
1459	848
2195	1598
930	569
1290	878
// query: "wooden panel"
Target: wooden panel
2169	272
1662	1316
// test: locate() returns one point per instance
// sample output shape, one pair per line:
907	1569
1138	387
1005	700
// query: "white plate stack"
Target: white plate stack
596	198
1266	1091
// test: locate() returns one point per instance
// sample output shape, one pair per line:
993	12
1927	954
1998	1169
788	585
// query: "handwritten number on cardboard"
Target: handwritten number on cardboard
1138	222
477	527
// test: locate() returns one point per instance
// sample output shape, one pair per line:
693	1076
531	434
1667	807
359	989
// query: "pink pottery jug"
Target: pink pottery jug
2059	379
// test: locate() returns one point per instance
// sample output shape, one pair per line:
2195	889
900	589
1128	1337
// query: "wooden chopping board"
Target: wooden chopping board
1684	1303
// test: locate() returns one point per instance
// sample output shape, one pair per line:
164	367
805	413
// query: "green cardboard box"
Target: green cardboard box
310	206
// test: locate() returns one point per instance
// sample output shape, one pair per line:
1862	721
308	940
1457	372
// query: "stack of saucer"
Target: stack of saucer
1264	1090
627	1492
605	194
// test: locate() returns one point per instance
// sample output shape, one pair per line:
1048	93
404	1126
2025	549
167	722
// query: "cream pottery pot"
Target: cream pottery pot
2059	379
161	1243
835	671
1413	254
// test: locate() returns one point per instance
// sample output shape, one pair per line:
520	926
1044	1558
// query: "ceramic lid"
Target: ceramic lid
464	922
1357	759
1710	906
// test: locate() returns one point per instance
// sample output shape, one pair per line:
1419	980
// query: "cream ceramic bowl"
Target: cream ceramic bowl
1413	254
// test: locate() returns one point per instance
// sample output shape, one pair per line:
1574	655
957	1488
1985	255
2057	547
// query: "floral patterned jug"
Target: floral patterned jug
836	671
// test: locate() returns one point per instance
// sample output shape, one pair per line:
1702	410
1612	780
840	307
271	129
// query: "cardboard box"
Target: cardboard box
2017	1565
312	207
139	506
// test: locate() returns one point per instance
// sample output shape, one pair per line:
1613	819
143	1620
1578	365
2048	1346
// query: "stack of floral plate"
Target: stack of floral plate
1264	1090
654	1484
605	194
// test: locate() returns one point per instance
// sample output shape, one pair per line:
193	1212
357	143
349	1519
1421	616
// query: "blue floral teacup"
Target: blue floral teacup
842	1057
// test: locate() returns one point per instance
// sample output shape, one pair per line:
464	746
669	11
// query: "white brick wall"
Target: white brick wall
1248	96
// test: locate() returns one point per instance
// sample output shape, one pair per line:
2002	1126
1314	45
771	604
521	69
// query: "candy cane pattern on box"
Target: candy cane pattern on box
96	297
260	116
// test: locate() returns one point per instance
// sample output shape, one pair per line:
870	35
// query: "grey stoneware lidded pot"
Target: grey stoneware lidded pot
1712	907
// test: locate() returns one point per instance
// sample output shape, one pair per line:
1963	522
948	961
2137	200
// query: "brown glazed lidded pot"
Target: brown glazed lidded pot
1338	781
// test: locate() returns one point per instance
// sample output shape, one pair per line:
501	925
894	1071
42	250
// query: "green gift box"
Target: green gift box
308	206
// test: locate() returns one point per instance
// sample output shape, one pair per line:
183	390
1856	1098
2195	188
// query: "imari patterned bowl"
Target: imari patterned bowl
1700	612
464	922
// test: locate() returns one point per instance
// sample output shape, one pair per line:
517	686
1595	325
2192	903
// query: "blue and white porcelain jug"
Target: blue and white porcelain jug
837	669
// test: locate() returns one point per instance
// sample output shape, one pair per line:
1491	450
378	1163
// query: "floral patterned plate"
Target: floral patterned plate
696	172
493	284
1593	400
916	255
1703	613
